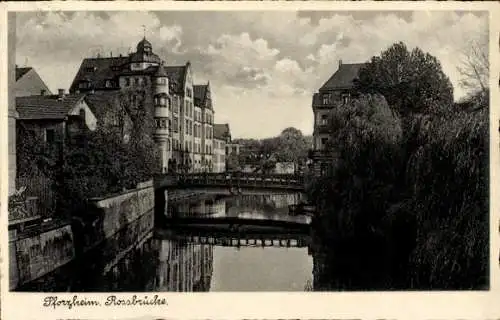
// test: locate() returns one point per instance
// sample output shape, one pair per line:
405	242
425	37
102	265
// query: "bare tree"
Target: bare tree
475	67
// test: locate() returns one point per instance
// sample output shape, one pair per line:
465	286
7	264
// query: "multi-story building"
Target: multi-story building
204	115
334	93
172	102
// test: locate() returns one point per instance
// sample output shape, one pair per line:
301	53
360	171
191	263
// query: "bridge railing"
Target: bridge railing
242	179
234	179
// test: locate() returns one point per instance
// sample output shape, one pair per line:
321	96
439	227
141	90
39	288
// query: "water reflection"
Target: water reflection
256	206
187	260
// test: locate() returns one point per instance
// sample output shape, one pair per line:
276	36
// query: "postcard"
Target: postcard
250	160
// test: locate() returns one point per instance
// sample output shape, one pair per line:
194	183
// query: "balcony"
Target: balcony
322	128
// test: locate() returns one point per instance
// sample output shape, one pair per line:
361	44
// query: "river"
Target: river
175	259
229	266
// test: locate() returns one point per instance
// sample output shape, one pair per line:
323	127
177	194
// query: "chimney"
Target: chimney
111	54
60	93
120	55
42	92
340	63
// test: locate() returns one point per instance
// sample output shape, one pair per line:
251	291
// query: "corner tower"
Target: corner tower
161	99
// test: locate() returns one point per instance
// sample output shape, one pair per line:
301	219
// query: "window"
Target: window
90	69
84	85
163	101
50	135
345	98
161	81
324	141
176	125
324	119
127	82
108	84
187	126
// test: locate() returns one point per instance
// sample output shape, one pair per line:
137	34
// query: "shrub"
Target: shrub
101	164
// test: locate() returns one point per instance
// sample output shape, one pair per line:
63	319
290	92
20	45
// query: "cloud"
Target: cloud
263	66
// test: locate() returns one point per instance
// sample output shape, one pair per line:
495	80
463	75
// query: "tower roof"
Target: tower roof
143	44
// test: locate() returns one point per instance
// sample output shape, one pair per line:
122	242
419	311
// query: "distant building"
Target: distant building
54	118
232	150
29	83
219	152
284	168
334	93
173	98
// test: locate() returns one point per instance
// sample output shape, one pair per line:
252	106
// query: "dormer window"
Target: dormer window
90	69
84	85
327	98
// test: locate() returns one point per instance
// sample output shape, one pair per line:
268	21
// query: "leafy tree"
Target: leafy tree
292	146
410	81
352	199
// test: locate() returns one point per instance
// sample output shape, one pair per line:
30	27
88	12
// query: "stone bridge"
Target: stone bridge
234	181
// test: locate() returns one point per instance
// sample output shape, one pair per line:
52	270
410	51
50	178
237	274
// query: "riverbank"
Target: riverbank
111	226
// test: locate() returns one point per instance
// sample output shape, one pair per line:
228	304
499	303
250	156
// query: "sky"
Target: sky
263	66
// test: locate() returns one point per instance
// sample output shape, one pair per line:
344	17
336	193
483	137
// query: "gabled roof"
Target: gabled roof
176	77
46	106
20	72
343	77
98	70
200	91
221	131
101	101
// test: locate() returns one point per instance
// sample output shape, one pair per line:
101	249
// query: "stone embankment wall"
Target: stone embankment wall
34	255
115	224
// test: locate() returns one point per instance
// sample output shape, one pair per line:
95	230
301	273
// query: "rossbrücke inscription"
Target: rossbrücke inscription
110	301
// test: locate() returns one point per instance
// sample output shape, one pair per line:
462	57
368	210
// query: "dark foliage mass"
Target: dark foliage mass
406	204
94	164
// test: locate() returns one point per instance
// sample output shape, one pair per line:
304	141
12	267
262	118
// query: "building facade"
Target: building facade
219	154
172	102
12	115
52	119
334	93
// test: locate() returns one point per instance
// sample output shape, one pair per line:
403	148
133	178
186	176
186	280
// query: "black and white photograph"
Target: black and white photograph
155	151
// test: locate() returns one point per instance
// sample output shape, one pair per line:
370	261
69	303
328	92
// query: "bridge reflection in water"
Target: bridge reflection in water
268	250
187	258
